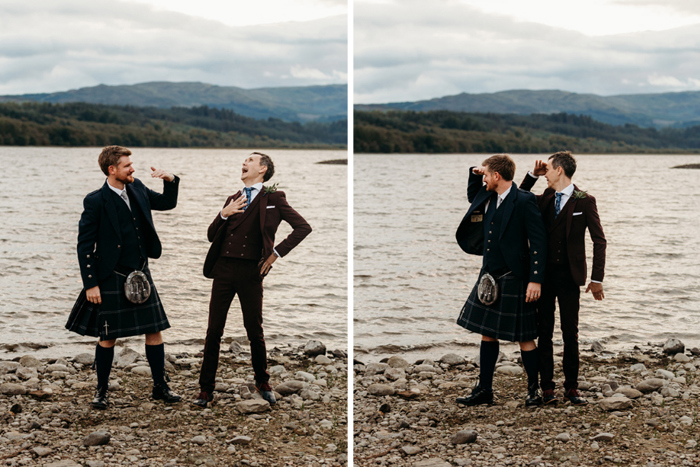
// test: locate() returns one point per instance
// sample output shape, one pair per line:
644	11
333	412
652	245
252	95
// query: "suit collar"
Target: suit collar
508	204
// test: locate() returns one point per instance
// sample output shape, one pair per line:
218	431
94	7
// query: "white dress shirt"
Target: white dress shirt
500	199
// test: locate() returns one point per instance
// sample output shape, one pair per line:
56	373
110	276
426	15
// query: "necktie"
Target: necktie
124	196
557	204
248	191
498	201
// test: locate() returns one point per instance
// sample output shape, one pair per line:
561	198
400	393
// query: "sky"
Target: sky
50	46
408	50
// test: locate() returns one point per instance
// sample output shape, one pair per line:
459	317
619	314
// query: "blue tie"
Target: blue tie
557	204
248	191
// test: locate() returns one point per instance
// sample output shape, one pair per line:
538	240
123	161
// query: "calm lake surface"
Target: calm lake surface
41	198
411	278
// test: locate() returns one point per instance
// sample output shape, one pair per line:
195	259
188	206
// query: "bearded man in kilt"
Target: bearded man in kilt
116	237
504	225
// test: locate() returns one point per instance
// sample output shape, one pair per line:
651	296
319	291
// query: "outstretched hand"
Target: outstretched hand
160	173
234	206
540	168
596	289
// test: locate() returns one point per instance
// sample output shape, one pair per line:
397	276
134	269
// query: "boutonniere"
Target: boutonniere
271	189
579	194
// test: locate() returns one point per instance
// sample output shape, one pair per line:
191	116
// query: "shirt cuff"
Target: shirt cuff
596	282
276	254
529	172
222	216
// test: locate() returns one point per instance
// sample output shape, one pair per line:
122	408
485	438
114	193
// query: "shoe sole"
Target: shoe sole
99	406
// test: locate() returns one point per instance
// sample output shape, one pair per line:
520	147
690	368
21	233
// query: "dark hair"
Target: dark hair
565	160
110	155
501	163
267	162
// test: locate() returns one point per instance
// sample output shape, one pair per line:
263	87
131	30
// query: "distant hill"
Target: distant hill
443	131
674	109
292	104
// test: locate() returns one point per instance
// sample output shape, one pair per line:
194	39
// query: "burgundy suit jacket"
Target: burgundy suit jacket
586	217
273	208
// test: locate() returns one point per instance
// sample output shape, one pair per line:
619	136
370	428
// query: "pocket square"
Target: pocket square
270	207
577	213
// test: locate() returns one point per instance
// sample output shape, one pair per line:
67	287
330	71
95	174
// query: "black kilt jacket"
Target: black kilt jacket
99	236
522	241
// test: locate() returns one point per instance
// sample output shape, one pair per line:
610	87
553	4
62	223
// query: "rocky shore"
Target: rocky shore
643	411
46	418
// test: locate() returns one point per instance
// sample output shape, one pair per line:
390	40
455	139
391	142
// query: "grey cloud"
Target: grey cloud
685	6
49	46
407	52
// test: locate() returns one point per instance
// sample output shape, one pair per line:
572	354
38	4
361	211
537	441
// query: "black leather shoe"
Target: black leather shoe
203	399
164	393
478	396
265	391
574	397
100	401
533	398
548	397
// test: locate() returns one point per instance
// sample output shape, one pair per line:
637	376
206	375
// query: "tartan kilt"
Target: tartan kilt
123	318
509	318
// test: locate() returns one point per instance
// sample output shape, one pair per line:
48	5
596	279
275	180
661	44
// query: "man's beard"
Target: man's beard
126	180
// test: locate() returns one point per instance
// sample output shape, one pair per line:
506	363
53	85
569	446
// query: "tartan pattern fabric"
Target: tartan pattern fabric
122	318
509	318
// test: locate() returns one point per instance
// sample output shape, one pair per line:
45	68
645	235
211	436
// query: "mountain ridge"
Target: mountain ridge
672	109
321	103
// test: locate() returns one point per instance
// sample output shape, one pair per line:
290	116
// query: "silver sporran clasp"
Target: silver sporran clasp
488	289
136	287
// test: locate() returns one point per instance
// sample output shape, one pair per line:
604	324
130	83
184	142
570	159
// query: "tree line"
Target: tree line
443	131
83	124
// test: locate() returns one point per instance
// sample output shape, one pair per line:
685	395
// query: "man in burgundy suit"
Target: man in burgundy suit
241	254
566	212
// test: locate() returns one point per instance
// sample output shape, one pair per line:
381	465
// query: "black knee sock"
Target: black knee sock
156	360
103	364
531	364
488	356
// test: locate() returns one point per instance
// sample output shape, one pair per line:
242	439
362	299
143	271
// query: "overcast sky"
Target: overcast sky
49	45
407	50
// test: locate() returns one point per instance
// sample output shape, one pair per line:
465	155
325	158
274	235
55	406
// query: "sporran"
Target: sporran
488	289
136	287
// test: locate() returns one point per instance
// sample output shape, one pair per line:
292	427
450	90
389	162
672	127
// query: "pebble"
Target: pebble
379	389
199	440
97	438
253	406
464	437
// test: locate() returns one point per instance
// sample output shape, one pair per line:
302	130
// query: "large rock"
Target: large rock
241	440
97	438
290	387
673	346
629	392
397	362
141	370
63	463
12	389
650	385
432	462
253	406
84	358
41	451
618	402
372	369
463	437
395	373
603	437
379	389
8	367
25	372
126	357
665	374
512	370
452	359
30	361
313	348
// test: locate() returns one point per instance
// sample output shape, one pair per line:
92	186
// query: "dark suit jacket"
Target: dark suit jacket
575	229
270	219
522	236
99	236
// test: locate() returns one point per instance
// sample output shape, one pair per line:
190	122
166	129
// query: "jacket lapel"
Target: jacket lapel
248	210
134	195
263	207
508	204
111	208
